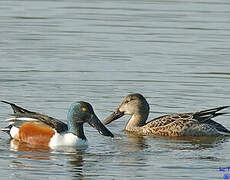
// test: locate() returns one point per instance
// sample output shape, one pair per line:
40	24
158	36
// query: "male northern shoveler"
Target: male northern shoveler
186	124
39	129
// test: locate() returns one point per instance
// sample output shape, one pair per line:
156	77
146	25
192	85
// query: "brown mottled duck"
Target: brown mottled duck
184	124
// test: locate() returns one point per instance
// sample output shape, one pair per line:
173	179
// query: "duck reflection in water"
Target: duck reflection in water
133	143
192	142
76	162
29	151
73	156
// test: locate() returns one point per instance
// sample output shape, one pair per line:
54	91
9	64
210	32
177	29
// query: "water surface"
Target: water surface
176	53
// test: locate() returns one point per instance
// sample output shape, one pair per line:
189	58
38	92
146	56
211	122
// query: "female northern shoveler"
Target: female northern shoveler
39	129
186	124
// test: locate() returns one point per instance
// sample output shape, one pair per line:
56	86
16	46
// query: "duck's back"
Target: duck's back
187	124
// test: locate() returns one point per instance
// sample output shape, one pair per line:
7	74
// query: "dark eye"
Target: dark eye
127	101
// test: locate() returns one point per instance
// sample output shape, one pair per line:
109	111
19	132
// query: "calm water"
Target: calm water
176	53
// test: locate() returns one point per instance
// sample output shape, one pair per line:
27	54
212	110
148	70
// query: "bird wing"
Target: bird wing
21	115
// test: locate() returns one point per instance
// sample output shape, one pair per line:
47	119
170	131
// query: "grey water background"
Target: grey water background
176	53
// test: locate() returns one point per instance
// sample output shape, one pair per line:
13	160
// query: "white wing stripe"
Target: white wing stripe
20	119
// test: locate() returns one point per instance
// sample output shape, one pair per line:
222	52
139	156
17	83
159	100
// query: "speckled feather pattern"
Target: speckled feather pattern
177	125
184	124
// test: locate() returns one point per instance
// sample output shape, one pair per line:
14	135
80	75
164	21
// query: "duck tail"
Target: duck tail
6	129
205	115
224	133
16	109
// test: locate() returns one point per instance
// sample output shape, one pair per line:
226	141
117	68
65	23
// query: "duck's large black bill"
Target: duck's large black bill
112	117
96	123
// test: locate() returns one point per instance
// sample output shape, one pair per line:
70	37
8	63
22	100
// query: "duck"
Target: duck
42	130
179	124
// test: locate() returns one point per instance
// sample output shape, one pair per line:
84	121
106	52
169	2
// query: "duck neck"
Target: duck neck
136	121
76	129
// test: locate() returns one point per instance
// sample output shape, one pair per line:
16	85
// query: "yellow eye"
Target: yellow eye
84	109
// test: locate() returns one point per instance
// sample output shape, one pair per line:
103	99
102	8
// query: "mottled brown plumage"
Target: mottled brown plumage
184	124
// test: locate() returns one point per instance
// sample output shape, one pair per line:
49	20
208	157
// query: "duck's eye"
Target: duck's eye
84	109
132	98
